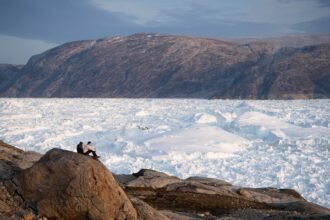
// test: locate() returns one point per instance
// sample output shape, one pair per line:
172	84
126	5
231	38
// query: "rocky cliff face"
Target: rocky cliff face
151	65
8	76
66	185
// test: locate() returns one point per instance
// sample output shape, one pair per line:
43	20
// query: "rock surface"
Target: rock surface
200	195
67	185
152	65
151	179
13	160
145	211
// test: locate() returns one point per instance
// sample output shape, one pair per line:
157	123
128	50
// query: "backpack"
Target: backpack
80	148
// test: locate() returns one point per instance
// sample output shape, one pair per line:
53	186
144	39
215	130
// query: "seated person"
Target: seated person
80	148
89	148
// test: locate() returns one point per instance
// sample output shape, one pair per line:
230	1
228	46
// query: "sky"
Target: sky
29	27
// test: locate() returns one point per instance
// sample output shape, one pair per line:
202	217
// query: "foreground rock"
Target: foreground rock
209	197
67	185
145	211
13	160
62	185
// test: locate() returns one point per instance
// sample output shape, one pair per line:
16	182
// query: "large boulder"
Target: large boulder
67	185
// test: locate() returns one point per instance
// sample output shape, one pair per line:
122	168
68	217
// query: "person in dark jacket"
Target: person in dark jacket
80	148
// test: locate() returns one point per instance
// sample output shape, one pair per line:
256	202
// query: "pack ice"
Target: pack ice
282	144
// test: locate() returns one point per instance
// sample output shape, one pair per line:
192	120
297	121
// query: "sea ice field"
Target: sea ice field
283	144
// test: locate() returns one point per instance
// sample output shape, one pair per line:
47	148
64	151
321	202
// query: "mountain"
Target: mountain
162	66
8	75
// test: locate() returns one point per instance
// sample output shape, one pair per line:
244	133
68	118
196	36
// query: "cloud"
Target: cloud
61	20
321	3
320	25
143	10
324	3
16	50
202	20
67	20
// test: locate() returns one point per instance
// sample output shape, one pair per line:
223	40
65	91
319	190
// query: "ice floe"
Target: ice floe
284	144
